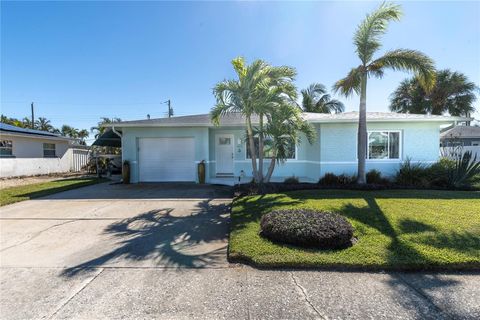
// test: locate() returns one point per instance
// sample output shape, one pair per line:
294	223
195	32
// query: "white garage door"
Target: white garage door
166	159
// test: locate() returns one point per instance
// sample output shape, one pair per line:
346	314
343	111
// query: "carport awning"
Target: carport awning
108	139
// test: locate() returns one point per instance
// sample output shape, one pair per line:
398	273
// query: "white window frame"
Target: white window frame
288	159
6	148
400	145
54	149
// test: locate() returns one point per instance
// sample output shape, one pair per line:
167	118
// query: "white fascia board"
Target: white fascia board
34	136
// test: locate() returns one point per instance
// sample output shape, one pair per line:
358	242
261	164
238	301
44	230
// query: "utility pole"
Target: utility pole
33	117
170	110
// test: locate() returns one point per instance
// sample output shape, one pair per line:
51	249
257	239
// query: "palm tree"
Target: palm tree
100	129
43	124
284	126
367	42
259	89
82	135
316	99
27	123
452	93
68	131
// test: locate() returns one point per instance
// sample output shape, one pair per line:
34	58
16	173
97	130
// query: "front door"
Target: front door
224	153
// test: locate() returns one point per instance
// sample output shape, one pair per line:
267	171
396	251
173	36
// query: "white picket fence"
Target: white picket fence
78	159
452	152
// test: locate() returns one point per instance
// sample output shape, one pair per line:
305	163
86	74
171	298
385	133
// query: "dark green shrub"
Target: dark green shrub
440	173
413	174
344	179
291	180
307	228
375	177
329	179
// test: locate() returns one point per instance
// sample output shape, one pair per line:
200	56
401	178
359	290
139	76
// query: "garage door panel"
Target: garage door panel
166	159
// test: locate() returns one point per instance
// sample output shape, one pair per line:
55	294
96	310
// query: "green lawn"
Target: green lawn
396	229
21	193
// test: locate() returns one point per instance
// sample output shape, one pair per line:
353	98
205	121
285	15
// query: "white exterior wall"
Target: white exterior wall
28	157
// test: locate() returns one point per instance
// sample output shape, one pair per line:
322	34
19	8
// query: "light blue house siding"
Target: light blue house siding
338	146
333	151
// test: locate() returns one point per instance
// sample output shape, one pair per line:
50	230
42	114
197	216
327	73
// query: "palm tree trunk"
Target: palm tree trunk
260	151
252	148
270	170
362	131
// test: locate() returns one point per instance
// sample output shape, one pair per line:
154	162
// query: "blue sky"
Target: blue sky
79	61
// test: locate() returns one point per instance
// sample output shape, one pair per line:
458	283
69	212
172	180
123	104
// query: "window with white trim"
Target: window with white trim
267	148
383	145
6	148
49	150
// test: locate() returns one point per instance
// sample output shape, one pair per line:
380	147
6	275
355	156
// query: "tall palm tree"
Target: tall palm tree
258	89
43	124
316	99
100	129
452	93
367	42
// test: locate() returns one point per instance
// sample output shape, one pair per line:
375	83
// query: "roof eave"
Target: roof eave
35	136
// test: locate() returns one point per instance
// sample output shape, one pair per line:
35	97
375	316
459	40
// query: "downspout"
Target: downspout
116	132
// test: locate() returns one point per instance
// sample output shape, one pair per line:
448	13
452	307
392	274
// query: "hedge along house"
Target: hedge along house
169	149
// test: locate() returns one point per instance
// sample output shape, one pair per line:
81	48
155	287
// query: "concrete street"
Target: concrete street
158	251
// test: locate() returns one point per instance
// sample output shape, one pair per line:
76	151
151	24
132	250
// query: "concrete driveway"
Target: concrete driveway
159	251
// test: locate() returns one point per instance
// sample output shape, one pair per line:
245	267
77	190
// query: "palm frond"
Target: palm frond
408	60
350	84
367	36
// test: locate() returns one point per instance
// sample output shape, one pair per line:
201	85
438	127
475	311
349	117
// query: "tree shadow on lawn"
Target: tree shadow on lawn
252	210
167	240
402	255
383	194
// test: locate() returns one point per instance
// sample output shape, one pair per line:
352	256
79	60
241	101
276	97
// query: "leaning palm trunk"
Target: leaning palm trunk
252	149
260	151
271	167
362	132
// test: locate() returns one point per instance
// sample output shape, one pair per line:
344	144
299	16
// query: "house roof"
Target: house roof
236	119
461	132
14	130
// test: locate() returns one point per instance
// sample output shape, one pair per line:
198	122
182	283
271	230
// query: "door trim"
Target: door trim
231	136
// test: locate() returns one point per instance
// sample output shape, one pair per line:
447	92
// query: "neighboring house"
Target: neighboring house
460	139
168	149
25	152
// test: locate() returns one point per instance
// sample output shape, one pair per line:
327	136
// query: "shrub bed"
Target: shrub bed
307	228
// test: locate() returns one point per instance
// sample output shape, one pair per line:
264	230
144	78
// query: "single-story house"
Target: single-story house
461	135
169	149
460	139
26	152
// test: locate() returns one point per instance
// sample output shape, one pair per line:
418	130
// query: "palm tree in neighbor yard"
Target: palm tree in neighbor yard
316	99
452	93
367	42
43	124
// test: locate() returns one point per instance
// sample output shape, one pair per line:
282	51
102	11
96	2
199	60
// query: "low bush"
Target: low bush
329	179
375	177
291	180
307	228
413	175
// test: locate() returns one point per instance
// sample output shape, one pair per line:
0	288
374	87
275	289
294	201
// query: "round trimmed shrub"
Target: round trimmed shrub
307	228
